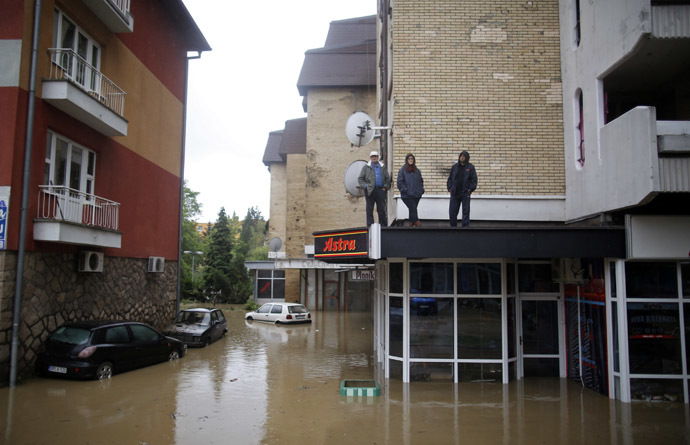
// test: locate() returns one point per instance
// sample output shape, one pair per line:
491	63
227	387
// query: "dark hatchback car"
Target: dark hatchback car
198	326
100	348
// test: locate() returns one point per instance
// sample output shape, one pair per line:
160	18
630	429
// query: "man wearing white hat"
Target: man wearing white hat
375	180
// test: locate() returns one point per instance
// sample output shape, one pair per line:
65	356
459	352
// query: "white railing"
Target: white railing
122	6
68	65
65	204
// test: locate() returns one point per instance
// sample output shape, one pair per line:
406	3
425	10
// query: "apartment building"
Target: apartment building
308	160
93	97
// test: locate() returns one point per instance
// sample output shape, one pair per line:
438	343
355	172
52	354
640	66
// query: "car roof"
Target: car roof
199	309
94	324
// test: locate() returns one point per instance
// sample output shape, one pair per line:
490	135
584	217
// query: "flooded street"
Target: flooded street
280	384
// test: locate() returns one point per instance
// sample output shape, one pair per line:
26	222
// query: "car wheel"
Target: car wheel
174	355
104	371
206	341
250	319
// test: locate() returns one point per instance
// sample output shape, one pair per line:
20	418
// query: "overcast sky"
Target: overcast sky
245	88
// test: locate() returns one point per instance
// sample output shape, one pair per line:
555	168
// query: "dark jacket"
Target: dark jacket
368	177
470	178
410	184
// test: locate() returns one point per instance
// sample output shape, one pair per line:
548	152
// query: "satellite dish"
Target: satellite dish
275	244
359	128
351	175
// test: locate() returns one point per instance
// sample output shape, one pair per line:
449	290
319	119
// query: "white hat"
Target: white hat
374	153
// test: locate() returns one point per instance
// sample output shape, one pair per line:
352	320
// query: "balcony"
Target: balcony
83	92
641	156
69	216
114	14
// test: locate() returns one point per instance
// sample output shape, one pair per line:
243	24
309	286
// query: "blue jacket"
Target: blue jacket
410	184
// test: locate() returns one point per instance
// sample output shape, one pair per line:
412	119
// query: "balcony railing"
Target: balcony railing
65	204
122	6
68	65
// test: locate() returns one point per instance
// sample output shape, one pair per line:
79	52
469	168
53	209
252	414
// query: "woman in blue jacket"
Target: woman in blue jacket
411	186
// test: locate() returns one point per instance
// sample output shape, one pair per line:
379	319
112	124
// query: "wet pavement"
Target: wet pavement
280	385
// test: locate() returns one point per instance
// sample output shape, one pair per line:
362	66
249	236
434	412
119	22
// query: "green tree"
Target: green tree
191	242
218	259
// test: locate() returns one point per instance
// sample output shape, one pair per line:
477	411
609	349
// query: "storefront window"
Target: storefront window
686	313
479	279
431	278
685	279
431	372
614	334
511	328
651	280
654	338
510	268
395	324
431	327
657	390
480	372
479	328
534	278
395	283
612	270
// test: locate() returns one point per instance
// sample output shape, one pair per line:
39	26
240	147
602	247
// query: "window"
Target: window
482	278
79	55
536	278
579	129
277	309
265	309
270	284
431	278
117	335
69	165
143	334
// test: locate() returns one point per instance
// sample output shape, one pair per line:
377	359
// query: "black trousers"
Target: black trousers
378	197
412	204
454	208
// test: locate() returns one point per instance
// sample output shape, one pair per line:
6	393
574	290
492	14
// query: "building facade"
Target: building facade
308	160
96	104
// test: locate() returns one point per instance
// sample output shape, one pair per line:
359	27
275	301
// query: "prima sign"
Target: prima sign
348	244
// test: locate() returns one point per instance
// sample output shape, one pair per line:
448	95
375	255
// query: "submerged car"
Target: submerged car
198	326
281	313
97	349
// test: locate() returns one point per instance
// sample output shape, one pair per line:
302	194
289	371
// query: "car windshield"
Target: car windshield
72	336
297	309
193	317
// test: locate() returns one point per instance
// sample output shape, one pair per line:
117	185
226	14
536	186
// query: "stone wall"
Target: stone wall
54	293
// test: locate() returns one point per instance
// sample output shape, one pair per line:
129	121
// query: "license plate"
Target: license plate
299	316
58	369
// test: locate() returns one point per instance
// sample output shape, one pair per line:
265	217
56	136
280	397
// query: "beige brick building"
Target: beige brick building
308	160
483	77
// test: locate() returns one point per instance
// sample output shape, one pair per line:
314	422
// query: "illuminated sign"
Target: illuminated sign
348	244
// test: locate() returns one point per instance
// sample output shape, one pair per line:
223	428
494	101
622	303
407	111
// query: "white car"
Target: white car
280	313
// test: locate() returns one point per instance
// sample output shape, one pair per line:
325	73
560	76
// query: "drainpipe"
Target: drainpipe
16	316
184	143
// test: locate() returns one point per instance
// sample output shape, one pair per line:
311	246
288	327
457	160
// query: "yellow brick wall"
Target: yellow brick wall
484	77
329	153
295	206
278	212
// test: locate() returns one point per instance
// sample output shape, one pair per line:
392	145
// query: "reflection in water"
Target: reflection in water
280	384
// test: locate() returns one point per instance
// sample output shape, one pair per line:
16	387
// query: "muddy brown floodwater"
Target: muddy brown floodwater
280	385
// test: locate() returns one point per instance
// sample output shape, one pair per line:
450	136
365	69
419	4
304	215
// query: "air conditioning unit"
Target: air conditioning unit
90	261
156	264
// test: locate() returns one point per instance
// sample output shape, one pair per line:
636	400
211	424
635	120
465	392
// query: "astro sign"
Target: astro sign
348	244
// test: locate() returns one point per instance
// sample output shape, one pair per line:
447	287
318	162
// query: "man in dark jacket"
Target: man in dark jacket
462	181
375	180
